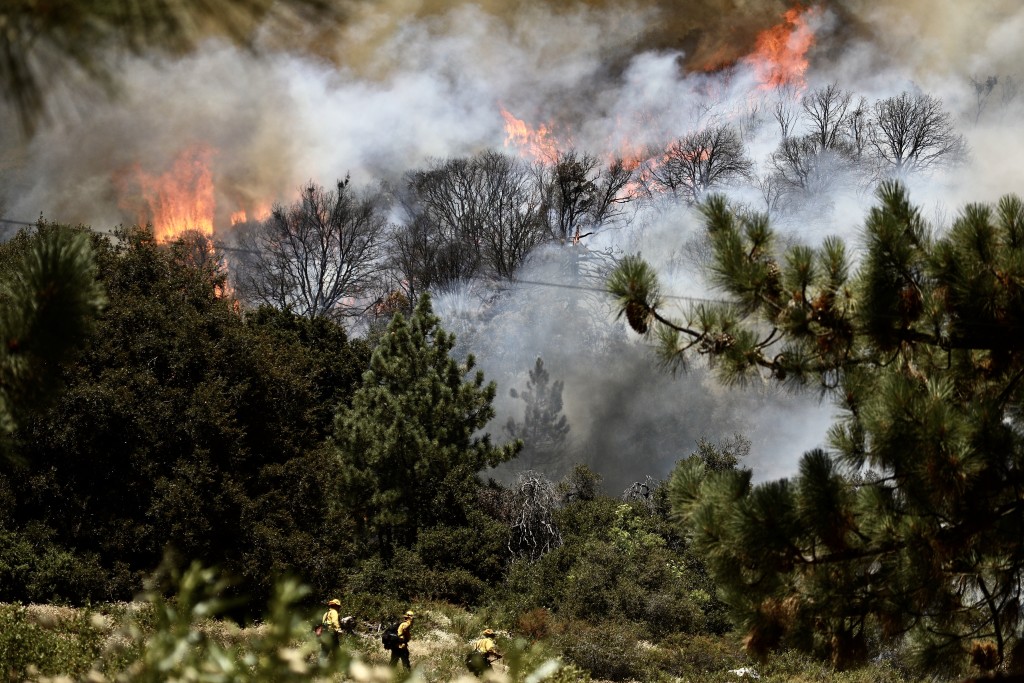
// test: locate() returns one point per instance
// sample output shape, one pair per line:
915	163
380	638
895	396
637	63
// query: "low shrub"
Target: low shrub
50	643
535	624
607	650
697	657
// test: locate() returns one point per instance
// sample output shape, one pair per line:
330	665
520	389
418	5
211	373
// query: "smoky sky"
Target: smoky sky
402	82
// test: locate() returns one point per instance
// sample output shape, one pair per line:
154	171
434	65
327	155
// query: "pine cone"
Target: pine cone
637	314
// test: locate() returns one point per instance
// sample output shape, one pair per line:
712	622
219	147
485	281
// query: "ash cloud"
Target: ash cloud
407	80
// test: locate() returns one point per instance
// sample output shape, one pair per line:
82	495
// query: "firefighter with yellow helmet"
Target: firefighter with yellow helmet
331	627
484	654
400	652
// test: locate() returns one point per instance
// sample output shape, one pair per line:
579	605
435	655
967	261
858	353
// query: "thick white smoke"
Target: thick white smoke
408	81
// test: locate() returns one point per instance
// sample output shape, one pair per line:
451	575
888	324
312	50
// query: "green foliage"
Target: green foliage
910	524
32	643
177	646
409	443
618	561
185	426
697	657
35	566
49	296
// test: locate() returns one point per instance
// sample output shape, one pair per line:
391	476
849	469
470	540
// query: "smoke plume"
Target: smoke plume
405	81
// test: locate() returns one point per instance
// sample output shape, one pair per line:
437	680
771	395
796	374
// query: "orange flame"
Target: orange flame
780	53
259	213
537	144
181	198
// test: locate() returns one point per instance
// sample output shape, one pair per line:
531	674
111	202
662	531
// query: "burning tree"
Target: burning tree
911	523
317	257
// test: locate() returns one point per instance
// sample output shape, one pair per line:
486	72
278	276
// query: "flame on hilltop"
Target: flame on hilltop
537	144
780	53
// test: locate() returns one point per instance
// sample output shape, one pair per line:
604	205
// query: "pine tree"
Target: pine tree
910	526
544	429
49	296
410	444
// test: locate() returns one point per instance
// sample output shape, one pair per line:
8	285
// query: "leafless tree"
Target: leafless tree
982	92
785	112
579	193
770	187
912	133
826	111
466	217
694	164
642	492
801	167
530	513
321	256
1009	90
513	225
857	125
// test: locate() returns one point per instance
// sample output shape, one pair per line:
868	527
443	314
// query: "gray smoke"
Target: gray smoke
407	81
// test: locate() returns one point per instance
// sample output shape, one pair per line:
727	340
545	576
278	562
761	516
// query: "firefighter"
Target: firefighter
400	653
331	632
484	653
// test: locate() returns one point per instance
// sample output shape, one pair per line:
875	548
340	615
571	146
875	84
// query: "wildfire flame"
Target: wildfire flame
780	53
259	213
537	144
177	200
180	199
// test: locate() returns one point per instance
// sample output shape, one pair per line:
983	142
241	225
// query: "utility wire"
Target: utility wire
536	283
14	222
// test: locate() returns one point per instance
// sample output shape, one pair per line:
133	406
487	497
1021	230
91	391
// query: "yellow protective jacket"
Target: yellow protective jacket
331	620
404	634
486	646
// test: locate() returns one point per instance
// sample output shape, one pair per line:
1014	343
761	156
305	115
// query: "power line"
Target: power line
14	222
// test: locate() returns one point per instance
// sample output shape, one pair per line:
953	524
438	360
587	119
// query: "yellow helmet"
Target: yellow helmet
334	602
488	632
410	613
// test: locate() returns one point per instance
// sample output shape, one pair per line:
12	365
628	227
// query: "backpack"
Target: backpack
390	637
476	662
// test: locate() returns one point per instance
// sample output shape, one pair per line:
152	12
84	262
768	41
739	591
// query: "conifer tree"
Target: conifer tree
544	429
410	444
49	295
911	522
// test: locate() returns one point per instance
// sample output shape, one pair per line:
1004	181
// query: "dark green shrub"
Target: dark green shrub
33	568
188	426
477	547
407	578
